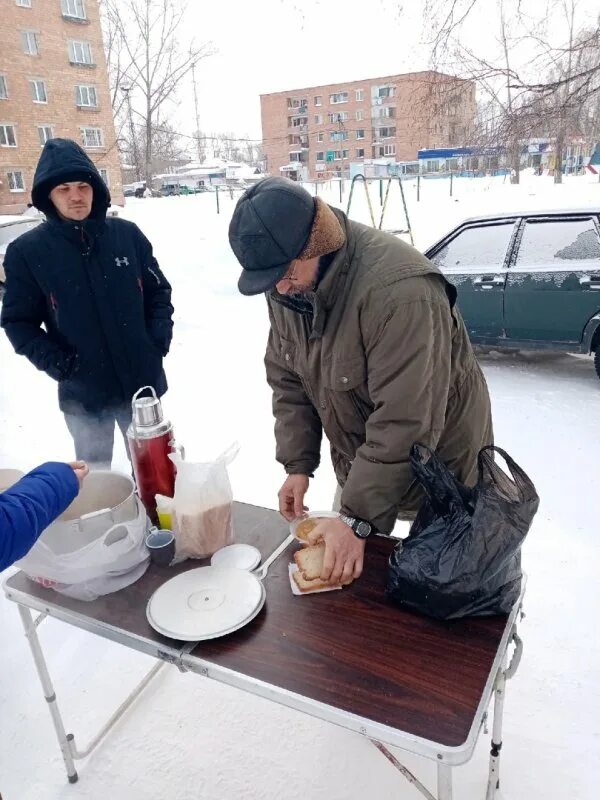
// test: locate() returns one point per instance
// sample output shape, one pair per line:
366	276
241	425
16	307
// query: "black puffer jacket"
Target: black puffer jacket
86	302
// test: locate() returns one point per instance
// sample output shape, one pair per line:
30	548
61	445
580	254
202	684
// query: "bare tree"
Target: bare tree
560	104
150	57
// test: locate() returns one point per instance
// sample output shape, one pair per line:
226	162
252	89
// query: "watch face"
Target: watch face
363	529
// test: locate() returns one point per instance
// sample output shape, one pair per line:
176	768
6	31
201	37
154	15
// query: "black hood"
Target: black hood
63	160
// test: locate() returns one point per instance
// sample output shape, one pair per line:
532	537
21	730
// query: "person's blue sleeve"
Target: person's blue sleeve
28	507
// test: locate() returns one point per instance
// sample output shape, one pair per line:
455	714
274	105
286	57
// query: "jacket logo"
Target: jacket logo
122	262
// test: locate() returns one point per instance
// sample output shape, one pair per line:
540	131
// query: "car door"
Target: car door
475	259
553	285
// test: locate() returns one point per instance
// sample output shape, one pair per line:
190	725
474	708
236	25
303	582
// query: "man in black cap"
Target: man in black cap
86	301
367	345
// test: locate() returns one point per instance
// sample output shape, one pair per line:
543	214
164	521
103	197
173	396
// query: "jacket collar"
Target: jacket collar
334	280
320	302
83	234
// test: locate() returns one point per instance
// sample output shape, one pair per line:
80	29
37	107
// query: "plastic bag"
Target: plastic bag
115	559
462	556
202	506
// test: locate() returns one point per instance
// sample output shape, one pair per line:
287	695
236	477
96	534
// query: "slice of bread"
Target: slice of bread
310	586
310	561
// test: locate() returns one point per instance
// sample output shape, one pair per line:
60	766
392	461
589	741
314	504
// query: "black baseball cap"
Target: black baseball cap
270	227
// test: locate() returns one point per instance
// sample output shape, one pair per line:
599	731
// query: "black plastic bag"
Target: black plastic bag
462	557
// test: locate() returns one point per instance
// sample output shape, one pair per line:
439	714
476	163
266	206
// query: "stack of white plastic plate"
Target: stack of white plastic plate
205	603
240	556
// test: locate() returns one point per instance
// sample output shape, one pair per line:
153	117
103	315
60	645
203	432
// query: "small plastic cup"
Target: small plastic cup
161	545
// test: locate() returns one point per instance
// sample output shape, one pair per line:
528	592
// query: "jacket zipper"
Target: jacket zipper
85	253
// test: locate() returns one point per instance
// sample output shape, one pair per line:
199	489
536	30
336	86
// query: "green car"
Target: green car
528	281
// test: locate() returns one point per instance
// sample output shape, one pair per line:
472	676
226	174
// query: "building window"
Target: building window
340	116
360	95
360	133
3	88
387	150
73	8
29	40
360	116
92	137
338	155
360	152
338	136
385	111
80	53
299	122
38	91
318	119
339	97
15	181
386	133
384	91
320	156
318	100
86	96
320	137
104	175
7	136
45	133
345	153
24	3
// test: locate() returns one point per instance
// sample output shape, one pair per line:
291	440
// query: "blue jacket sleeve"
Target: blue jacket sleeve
28	507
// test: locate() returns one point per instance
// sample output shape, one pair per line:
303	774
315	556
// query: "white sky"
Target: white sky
276	45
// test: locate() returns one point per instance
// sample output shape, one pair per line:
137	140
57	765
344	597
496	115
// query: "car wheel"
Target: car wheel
597	360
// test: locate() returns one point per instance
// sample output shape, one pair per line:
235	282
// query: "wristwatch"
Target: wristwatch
361	527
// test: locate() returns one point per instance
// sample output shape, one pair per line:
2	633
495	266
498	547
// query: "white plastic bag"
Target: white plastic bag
115	559
202	506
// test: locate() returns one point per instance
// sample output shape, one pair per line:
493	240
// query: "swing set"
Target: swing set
406	230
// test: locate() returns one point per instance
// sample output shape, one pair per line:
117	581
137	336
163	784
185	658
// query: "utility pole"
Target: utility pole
126	89
198	145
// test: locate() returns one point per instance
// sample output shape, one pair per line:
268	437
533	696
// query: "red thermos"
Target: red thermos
150	438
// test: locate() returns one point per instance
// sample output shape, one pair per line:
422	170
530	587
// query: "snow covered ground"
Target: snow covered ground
186	738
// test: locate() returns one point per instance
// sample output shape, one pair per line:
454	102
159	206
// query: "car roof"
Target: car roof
13	219
553	212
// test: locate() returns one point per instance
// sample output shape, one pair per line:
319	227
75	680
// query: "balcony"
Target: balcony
298	157
299	142
302	128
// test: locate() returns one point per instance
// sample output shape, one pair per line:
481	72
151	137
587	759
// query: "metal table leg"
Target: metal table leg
444	779
504	673
69	749
412	778
40	663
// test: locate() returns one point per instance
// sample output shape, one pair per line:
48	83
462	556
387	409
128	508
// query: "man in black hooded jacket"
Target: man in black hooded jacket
86	301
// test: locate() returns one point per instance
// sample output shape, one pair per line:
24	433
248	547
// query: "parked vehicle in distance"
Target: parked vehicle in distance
528	281
12	226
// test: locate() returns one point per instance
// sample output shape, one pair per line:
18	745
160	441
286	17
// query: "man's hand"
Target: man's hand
81	470
291	497
344	551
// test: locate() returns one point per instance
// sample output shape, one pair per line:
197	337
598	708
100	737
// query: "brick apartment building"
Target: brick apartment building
319	131
53	82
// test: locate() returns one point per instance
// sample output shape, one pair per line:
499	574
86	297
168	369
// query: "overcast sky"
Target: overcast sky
275	45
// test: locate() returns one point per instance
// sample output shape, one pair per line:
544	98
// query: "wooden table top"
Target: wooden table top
126	609
349	649
353	650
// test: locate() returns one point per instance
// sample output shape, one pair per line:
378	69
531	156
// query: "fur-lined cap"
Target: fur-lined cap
326	234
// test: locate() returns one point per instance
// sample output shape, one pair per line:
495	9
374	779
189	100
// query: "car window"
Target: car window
481	246
558	243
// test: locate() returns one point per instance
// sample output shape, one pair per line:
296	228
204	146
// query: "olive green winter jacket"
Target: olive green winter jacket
384	361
